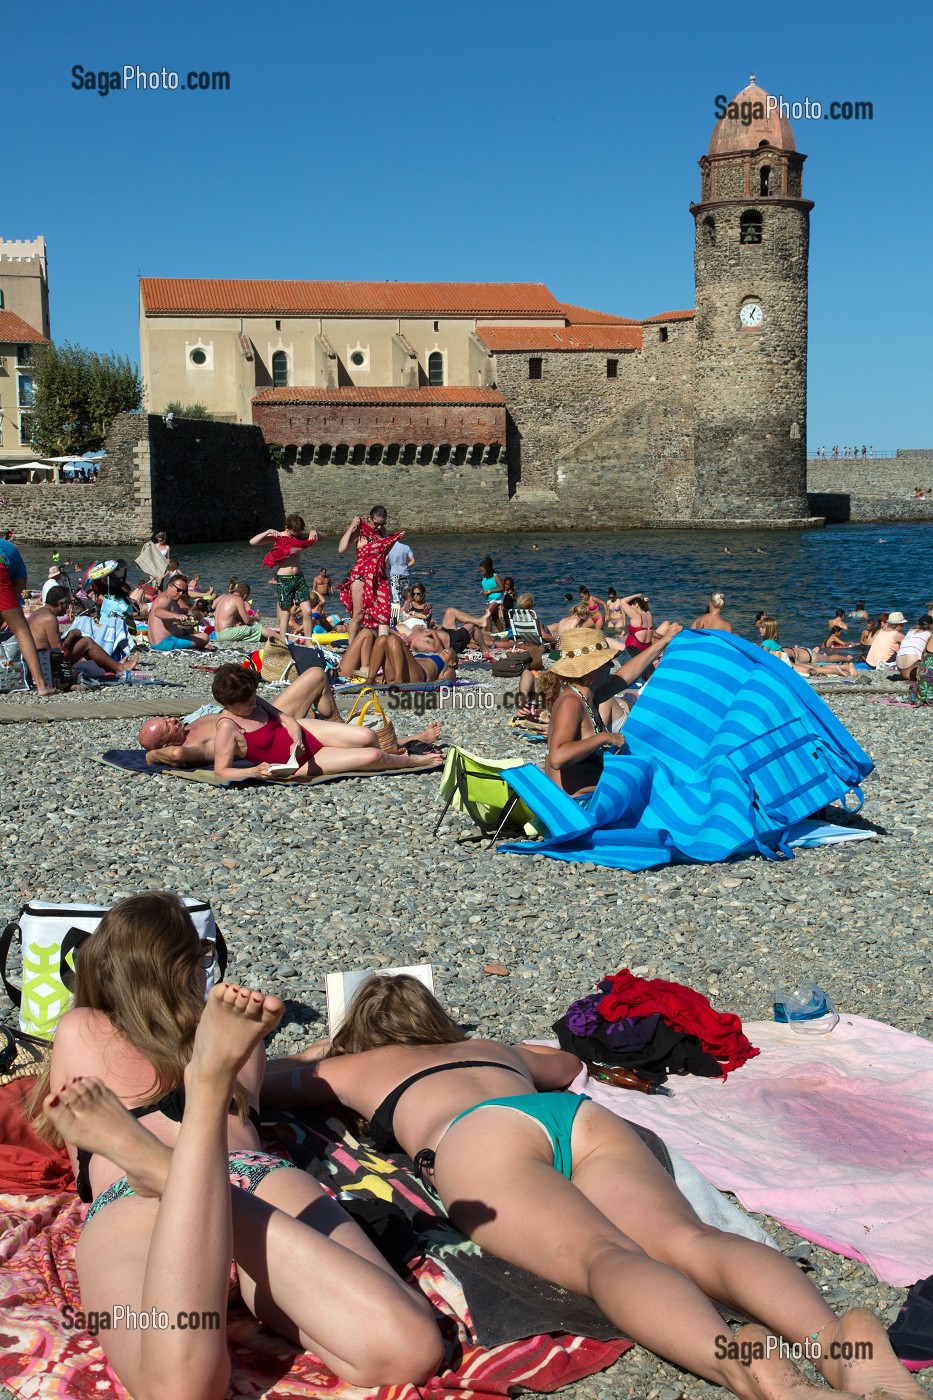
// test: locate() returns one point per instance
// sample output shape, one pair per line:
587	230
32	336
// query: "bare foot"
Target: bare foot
44	691
91	1116
430	735
233	1022
865	1360
129	664
763	1373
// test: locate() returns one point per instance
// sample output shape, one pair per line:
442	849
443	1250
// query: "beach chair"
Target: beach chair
473	785
555	811
526	628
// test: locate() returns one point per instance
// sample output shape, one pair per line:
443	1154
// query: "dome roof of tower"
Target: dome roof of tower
755	127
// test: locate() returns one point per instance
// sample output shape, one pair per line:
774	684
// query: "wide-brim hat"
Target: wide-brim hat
582	651
896	617
55	571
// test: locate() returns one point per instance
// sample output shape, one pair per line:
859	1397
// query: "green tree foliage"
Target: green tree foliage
77	395
189	410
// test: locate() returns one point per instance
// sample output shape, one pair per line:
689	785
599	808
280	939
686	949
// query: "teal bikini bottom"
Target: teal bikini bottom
555	1112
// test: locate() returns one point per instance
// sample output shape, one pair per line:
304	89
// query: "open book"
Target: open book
286	769
341	987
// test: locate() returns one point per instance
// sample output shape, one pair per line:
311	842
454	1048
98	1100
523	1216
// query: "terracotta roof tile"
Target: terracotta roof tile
560	337
446	394
14	330
583	316
669	316
183	296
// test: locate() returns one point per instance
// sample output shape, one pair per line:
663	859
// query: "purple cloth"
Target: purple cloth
631	1033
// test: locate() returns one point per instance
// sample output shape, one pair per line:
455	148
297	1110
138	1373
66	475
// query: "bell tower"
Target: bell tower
750	262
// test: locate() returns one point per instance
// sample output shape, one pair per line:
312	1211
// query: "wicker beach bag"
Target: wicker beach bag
384	730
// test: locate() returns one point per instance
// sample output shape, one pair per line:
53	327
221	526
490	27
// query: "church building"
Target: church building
554	413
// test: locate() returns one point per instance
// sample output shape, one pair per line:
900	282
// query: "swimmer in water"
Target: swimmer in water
726	549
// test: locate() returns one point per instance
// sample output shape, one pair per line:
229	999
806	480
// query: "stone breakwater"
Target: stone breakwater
349	875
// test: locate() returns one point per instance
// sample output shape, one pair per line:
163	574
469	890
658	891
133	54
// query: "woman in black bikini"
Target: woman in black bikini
550	1182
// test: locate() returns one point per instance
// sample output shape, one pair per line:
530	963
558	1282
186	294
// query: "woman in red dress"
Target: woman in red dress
365	592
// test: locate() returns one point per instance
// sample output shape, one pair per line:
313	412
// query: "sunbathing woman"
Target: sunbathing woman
178	1186
594	606
552	1183
273	739
400	664
416	607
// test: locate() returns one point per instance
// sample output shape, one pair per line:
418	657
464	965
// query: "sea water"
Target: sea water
799	576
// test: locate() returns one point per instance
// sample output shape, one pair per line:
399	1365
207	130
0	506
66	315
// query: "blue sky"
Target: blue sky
495	140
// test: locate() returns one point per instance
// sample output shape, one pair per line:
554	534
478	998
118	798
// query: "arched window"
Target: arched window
750	226
764	180
436	368
280	369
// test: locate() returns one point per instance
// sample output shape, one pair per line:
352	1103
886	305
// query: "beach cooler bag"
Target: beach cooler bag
50	935
12	667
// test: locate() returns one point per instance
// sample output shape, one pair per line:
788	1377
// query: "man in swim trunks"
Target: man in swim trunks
44	626
291	588
170	627
233	623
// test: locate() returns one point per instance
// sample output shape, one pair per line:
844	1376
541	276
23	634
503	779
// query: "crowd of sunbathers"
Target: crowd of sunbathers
155	1084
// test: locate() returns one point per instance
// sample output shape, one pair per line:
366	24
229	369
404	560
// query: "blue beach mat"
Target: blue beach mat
134	761
727	749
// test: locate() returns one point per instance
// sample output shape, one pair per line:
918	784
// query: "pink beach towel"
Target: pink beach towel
832	1135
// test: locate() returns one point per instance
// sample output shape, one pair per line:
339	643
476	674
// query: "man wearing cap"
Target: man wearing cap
886	641
587	715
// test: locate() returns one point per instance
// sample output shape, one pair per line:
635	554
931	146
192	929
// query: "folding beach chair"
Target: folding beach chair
473	785
526	628
554	811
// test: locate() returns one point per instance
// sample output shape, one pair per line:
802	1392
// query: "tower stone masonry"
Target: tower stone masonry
752	242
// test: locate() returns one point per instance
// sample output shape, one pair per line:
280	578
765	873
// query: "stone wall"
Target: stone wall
114	509
609	452
872	488
210	481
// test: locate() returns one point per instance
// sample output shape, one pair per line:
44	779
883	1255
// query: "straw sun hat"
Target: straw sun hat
582	651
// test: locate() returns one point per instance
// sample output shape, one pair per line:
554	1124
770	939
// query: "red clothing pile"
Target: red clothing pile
719	1032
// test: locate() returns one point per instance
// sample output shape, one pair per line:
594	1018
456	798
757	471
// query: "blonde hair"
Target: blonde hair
526	600
768	627
717	600
394	1011
143	969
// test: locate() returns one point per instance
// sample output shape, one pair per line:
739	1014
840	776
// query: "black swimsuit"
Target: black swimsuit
171	1105
381	1125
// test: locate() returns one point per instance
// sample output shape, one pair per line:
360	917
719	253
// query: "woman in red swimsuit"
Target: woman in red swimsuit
253	729
365	592
640	622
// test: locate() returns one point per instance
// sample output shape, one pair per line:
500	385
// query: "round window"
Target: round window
198	357
357	358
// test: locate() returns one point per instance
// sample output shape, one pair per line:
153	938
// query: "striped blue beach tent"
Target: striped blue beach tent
726	749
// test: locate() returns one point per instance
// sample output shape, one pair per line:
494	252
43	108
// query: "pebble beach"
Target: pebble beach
349	875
